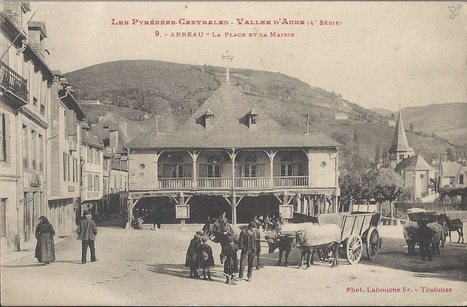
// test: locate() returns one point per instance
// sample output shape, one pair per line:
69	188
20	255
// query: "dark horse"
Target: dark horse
454	225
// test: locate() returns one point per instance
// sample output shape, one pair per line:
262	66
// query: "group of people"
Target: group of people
45	246
269	223
199	254
136	223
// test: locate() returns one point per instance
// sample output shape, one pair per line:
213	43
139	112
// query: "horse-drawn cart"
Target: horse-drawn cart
357	229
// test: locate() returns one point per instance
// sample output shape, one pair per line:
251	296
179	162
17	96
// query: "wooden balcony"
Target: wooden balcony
13	82
221	183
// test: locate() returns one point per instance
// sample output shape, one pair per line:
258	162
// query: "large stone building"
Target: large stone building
230	157
25	84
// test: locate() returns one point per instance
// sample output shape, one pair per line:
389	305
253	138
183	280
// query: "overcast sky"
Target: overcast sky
381	55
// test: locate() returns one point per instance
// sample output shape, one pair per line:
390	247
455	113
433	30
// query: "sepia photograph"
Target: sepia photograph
233	153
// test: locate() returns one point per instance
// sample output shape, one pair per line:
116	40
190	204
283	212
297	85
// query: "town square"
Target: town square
199	154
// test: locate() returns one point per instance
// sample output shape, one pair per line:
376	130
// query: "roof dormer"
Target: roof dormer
252	119
207	116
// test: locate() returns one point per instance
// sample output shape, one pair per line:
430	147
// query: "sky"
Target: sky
379	55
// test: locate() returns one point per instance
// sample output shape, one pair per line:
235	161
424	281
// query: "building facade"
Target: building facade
231	158
64	143
92	171
26	80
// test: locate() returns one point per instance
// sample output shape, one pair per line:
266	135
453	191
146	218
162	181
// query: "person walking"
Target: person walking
231	260
192	259
45	247
247	243
207	260
87	231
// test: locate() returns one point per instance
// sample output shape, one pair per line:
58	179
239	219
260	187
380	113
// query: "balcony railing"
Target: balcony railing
175	183
13	82
295	181
215	182
252	182
226	183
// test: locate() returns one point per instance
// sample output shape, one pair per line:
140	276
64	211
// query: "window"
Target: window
41	153
89	182
70	164
4	138
75	169
214	170
422	176
401	157
461	179
33	149
250	170
25	147
178	171
3	215
253	120
286	169
96	183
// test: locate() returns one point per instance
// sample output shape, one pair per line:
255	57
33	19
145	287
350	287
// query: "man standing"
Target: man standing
247	243
425	234
87	231
258	245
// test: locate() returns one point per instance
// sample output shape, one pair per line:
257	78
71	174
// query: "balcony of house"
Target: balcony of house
253	170
13	83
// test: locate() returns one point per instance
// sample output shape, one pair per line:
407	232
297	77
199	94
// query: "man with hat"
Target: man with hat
206	258
87	231
425	235
247	243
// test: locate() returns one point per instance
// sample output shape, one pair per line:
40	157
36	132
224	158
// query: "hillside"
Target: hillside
447	120
174	90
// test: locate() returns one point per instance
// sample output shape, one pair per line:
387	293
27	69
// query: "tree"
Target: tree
450	154
393	116
411	126
377	154
356	136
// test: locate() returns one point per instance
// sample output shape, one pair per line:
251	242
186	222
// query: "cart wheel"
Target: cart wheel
372	243
354	249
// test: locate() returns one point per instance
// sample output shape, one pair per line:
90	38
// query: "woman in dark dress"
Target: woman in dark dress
45	247
207	260
231	260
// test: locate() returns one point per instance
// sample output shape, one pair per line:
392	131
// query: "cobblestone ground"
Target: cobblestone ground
146	268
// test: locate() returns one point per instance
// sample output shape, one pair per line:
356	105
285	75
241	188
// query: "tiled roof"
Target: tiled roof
399	141
450	169
230	108
92	140
414	163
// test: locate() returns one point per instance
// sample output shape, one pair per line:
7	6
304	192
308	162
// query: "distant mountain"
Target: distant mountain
140	89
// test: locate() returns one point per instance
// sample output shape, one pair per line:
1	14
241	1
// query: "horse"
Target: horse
455	225
308	247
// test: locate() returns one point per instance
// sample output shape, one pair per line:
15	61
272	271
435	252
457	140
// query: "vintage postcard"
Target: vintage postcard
233	153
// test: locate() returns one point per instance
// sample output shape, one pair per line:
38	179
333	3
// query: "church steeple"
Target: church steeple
400	148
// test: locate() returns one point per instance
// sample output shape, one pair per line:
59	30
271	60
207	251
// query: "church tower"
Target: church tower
400	148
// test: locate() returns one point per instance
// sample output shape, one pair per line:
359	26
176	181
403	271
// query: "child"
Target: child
231	261
192	256
207	260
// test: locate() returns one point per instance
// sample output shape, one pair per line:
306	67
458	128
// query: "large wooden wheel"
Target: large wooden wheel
354	249
372	243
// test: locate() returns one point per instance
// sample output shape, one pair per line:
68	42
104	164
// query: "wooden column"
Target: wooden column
156	169
271	154
308	154
232	156
234	209
194	155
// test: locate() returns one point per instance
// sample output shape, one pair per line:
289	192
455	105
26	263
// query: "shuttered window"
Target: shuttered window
70	128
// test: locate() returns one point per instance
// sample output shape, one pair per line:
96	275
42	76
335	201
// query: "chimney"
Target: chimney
113	138
123	129
36	36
